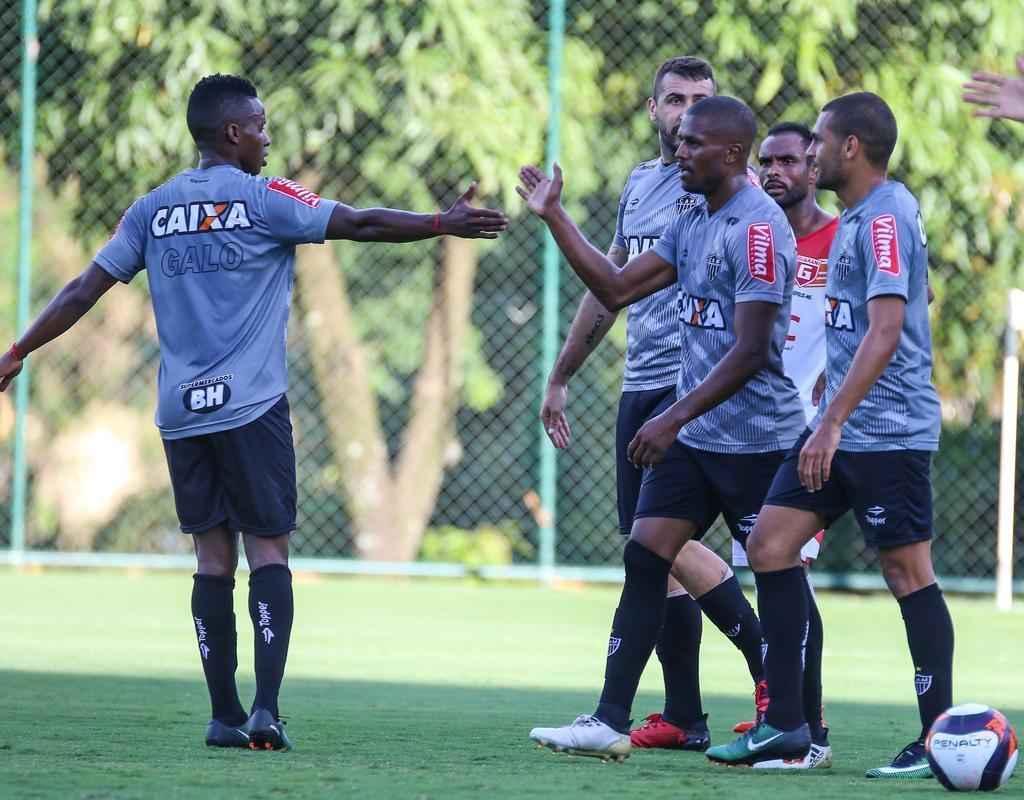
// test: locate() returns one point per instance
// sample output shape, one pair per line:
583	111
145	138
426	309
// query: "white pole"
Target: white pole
1008	451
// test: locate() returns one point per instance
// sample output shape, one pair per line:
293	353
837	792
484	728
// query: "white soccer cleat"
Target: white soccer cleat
587	736
818	757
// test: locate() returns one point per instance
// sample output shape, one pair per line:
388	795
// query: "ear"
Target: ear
232	132
652	106
733	153
851	147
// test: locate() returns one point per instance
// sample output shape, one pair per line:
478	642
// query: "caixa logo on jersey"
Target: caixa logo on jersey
207	395
226	215
701	312
838	314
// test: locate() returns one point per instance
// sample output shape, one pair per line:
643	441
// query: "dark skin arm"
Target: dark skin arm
614	288
390	225
885	324
69	306
754	322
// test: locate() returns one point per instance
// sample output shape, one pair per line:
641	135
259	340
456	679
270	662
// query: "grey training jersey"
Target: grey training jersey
881	249
652	198
743	252
219	246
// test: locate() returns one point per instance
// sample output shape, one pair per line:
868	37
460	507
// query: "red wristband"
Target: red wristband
437	223
14	351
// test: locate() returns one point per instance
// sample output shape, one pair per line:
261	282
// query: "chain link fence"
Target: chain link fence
415	369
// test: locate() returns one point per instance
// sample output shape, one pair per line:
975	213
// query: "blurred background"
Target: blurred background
417	370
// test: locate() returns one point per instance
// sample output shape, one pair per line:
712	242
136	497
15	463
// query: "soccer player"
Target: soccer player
652	198
716	448
219	244
997	96
869	448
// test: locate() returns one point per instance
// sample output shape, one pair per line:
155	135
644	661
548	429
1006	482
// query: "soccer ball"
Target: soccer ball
972	748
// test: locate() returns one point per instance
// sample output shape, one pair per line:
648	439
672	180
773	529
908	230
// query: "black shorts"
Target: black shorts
698	485
243	478
890	492
635	408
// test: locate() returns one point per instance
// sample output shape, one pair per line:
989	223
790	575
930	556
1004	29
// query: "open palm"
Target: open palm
997	96
541	193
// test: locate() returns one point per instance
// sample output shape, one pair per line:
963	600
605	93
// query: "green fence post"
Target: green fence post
30	54
548	473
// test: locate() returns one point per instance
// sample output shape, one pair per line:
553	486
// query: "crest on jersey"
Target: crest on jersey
843	265
714	264
885	244
686	203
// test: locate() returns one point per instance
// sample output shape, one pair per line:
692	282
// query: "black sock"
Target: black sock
812	663
271	608
930	636
782	601
678	650
214	619
729	610
634	632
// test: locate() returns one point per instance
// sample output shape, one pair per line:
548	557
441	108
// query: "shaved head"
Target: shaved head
727	120
215	101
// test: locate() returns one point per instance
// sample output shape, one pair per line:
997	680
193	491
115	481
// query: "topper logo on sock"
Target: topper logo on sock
613	645
204	649
922	683
265	631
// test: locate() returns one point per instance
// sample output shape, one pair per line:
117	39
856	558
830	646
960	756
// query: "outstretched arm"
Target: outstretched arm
754	321
69	306
997	96
613	287
590	325
390	225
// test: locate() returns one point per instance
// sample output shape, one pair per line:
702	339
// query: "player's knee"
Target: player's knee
644	564
906	570
217	562
262	551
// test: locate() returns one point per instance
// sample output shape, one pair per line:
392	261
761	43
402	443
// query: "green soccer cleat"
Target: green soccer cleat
911	763
763	744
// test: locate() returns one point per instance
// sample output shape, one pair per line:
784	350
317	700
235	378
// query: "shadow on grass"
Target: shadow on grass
113	736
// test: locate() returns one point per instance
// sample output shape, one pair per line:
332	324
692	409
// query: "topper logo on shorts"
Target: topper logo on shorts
700	312
838	314
226	215
296	191
761	252
886	244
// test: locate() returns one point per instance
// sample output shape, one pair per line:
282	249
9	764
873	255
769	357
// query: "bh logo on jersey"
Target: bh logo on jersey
838	314
701	312
204	396
228	215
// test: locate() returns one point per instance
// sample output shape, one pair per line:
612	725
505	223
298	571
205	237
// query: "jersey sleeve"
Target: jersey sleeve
886	242
295	214
763	255
619	240
123	256
667	246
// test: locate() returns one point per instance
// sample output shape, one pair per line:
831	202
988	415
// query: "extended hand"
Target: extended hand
552	415
9	369
652	441
815	465
997	95
470	222
541	193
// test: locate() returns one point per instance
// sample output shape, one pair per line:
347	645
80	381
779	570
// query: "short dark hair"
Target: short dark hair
211	100
732	117
797	128
690	67
868	117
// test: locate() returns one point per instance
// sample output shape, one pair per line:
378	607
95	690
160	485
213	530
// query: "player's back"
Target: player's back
219	246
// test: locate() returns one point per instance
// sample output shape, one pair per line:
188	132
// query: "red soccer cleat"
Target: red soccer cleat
760	707
658	732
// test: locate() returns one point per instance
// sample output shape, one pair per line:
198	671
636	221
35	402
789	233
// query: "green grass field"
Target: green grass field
422	689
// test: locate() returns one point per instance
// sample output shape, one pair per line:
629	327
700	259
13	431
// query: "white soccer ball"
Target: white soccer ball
972	748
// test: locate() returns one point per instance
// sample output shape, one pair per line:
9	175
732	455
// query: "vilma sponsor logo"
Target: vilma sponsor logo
874	516
701	312
204	648
614	642
222	215
296	191
761	252
885	244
